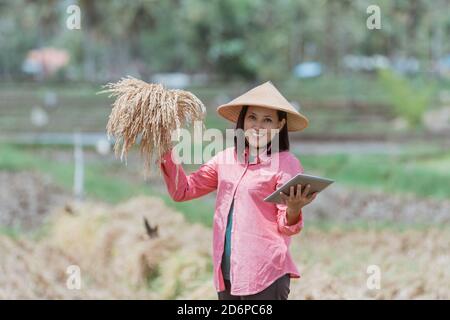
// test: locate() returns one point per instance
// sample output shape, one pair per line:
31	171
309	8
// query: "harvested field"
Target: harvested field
118	259
413	264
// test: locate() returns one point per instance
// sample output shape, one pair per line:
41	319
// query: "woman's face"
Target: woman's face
258	123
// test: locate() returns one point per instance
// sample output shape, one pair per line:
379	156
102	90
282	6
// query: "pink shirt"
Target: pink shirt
260	236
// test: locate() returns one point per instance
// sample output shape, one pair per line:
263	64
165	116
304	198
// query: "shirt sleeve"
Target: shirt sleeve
288	169
195	185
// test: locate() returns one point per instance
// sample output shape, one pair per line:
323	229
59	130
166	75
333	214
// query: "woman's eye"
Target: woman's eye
268	120
251	117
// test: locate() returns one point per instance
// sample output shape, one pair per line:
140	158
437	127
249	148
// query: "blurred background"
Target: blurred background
378	101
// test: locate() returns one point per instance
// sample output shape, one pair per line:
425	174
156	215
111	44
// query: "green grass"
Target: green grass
11	232
392	174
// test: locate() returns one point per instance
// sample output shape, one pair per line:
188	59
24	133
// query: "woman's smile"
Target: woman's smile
257	138
257	134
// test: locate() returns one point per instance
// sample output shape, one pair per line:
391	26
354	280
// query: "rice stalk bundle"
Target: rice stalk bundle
151	113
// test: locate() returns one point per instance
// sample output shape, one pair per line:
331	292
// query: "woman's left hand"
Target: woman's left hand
296	201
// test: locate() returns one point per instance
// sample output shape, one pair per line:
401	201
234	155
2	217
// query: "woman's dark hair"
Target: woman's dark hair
282	135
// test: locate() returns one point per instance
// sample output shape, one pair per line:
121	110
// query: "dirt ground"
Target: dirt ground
118	259
26	198
350	205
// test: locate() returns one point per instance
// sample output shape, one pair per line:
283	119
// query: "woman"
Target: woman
251	237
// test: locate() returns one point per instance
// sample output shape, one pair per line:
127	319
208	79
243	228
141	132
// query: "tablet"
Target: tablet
317	185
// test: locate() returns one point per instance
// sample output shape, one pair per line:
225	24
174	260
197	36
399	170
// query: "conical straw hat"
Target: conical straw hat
264	95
